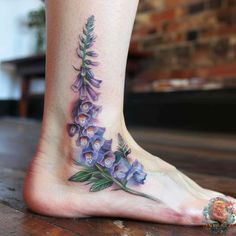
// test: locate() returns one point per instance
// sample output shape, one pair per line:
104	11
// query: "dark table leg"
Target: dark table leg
23	105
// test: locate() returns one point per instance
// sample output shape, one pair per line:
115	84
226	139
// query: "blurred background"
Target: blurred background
181	71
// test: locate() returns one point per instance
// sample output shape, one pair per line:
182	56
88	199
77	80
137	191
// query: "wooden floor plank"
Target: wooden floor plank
16	223
195	160
216	183
122	227
11	184
18	140
210	141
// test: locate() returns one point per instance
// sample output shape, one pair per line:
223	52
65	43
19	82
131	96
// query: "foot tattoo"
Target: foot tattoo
219	215
102	167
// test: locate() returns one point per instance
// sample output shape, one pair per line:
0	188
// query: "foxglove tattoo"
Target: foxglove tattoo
101	166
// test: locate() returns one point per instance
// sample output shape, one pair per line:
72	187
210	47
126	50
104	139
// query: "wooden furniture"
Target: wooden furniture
27	68
209	157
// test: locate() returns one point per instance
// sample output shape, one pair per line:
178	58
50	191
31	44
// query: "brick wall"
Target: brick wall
192	44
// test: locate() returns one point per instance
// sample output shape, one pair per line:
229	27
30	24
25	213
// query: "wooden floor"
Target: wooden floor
208	159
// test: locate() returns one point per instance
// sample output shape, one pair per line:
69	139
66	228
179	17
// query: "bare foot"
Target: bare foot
78	171
48	191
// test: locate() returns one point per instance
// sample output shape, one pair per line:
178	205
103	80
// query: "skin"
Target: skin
47	189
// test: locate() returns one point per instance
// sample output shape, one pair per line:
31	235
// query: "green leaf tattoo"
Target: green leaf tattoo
101	184
80	176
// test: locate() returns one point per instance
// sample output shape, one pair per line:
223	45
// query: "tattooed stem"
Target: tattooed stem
126	189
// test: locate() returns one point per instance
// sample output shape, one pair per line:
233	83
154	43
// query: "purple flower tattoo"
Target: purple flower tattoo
102	168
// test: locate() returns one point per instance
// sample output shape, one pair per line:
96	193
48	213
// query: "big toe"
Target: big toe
199	212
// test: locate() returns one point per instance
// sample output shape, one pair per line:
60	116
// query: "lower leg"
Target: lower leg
47	189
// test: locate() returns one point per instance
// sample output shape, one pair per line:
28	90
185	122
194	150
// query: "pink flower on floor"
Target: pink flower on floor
219	211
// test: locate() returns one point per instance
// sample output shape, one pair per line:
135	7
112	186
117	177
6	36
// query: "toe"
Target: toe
194	211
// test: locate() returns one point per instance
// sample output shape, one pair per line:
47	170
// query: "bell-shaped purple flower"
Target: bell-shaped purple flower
72	129
107	145
89	74
89	157
83	71
76	86
83	141
95	111
86	106
108	159
76	108
100	131
91	92
90	131
137	173
95	82
84	84
121	169
140	177
83	92
82	119
97	142
91	78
